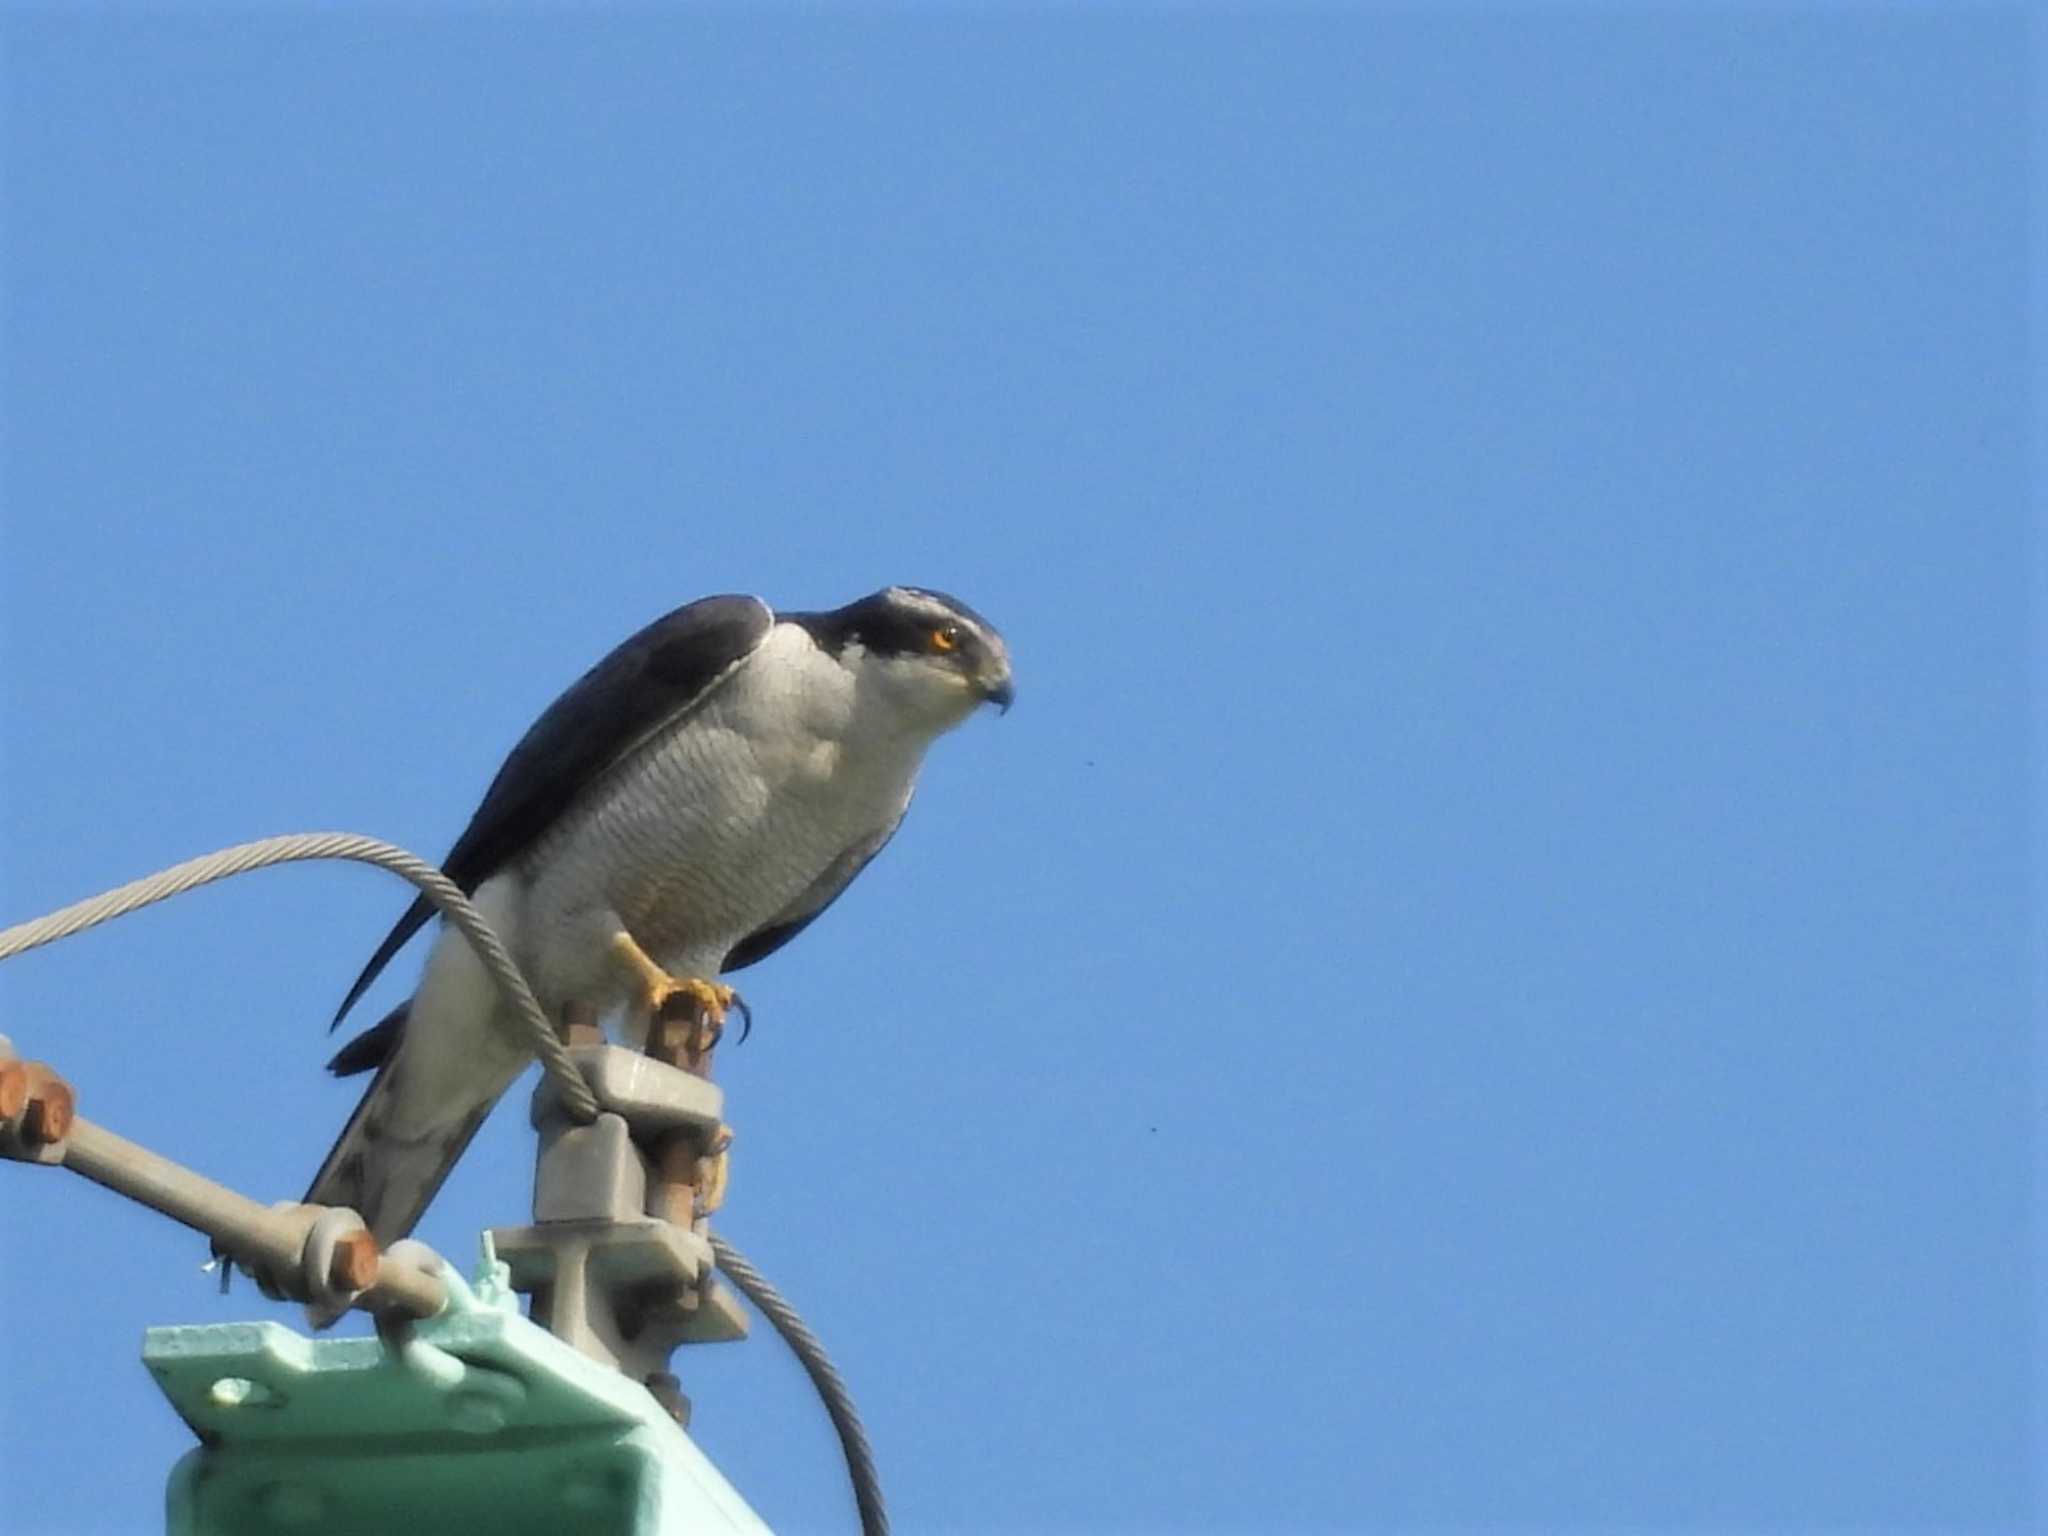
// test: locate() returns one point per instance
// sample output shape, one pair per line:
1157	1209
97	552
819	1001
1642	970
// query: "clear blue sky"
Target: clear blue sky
1487	980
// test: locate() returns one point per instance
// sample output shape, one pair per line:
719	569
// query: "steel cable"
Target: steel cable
853	1439
299	847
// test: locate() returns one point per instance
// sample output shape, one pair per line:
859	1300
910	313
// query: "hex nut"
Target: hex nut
48	1114
353	1266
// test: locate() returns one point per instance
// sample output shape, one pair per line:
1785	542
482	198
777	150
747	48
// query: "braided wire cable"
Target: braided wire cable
853	1439
300	847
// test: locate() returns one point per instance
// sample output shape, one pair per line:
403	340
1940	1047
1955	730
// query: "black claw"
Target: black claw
746	1017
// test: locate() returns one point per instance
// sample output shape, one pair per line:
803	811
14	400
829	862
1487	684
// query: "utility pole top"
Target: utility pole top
477	1415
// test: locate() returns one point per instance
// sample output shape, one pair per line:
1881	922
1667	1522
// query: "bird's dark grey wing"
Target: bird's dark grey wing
645	685
821	893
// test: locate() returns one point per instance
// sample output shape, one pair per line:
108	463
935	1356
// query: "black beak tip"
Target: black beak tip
1003	695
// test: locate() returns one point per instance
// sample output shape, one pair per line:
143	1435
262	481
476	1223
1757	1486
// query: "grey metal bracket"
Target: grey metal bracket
650	1095
607	1272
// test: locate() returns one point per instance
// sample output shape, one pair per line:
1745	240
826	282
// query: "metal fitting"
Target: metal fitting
37	1110
353	1265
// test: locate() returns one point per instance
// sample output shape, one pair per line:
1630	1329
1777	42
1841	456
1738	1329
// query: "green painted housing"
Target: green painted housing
477	1421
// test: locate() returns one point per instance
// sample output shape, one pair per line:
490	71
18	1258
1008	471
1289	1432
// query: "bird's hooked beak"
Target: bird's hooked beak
997	688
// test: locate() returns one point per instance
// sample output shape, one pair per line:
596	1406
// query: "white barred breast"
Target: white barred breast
707	835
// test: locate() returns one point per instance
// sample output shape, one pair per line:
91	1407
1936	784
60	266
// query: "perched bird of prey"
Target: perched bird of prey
686	809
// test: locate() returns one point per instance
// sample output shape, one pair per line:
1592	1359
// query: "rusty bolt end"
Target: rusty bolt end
48	1115
354	1264
63	1110
13	1088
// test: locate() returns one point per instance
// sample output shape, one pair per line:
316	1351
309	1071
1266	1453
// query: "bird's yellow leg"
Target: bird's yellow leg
698	1026
658	989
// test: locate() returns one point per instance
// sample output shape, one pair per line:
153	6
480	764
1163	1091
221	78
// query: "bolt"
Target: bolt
239	1392
48	1115
353	1265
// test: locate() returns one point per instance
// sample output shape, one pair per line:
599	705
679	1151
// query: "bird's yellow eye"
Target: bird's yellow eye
946	638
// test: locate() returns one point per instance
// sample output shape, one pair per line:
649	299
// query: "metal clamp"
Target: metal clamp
617	1261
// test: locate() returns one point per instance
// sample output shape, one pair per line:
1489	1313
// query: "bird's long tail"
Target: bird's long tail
442	1059
385	1173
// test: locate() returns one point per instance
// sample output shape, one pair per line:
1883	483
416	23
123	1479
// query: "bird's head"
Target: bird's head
931	654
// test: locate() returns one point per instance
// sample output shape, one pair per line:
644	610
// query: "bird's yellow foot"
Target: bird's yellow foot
691	996
666	999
